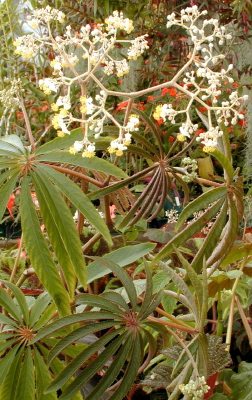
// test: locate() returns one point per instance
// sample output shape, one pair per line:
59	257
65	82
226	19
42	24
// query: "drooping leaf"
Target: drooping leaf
122	275
39	253
61	231
78	199
6	191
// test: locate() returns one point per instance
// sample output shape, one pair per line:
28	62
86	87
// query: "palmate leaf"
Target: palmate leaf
15	142
78	199
60	143
114	370
98	301
132	368
39	253
61	231
95	366
75	364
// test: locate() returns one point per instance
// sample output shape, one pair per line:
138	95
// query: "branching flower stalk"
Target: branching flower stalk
200	79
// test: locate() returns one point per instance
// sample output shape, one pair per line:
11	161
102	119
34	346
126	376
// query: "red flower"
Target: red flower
122	105
202	109
171	139
150	98
160	121
200	131
11	204
172	92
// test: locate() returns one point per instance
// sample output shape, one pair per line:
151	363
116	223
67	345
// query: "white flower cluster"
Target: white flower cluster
210	138
46	15
116	21
26	46
195	390
165	111
186	130
49	85
138	46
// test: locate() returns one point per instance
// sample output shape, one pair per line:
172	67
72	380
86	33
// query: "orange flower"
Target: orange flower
160	121
202	109
122	105
150	98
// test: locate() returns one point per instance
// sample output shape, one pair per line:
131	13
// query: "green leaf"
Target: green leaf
132	369
193	276
20	298
45	317
189	231
78	199
116	298
60	143
93	367
95	163
38	251
241	383
8	389
7	321
7	149
76	335
198	204
26	383
225	163
148	291
113	371
15	142
43	377
39	307
9	305
62	231
115	186
123	276
146	143
6	191
124	256
237	253
210	242
6	362
75	364
98	301
73	319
